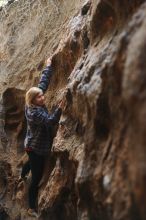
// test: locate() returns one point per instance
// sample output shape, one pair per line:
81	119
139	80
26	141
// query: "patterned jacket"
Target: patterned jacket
40	122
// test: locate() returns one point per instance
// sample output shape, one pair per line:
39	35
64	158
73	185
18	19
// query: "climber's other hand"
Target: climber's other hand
49	61
61	104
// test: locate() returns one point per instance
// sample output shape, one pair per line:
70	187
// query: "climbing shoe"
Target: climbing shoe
22	179
33	213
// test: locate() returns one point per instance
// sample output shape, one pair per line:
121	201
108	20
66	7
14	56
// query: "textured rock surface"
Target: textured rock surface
97	168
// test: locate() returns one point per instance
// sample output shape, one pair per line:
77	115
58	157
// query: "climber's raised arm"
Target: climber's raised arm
46	76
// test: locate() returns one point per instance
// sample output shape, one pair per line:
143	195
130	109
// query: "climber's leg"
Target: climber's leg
37	167
25	169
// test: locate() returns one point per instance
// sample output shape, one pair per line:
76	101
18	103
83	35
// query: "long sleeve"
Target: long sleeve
42	117
39	123
45	78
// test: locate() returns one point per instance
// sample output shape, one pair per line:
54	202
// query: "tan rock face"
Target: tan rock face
97	166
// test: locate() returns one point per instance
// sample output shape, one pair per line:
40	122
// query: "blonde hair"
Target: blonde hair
31	94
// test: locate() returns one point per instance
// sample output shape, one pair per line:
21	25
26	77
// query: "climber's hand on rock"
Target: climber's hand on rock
49	61
61	104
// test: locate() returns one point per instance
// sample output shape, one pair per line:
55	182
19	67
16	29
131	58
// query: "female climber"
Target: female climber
38	139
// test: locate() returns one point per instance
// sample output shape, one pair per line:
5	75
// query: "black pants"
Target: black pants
36	165
25	169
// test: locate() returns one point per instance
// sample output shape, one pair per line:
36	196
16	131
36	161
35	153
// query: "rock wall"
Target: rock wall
97	166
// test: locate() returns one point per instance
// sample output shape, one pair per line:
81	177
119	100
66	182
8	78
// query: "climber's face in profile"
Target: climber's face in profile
39	100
